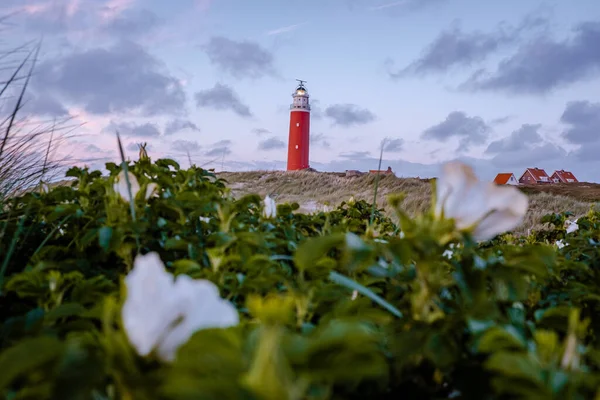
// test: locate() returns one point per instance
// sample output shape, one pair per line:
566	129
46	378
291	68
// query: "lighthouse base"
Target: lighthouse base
305	169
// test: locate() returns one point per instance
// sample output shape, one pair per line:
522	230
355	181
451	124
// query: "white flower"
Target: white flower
204	219
483	207
161	313
572	226
448	254
270	210
151	190
353	241
560	244
354	295
52	284
121	186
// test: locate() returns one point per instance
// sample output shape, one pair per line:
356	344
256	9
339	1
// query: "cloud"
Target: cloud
224	142
52	17
583	121
544	64
525	135
320	140
349	114
453	47
121	79
393	145
92	148
406	5
285	29
589	153
524	146
185	146
471	130
135	146
501	120
44	104
356	155
177	125
316	112
243	59
132	23
146	130
531	155
222	97
260	131
272	143
220	149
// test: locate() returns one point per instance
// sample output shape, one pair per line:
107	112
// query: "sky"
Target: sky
502	85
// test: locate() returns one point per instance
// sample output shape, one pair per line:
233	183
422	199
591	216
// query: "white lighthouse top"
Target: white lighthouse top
300	96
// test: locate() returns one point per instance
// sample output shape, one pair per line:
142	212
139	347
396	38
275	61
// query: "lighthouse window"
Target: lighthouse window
296	147
297	123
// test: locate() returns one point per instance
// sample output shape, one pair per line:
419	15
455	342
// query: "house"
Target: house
386	172
562	176
352	172
533	176
506	178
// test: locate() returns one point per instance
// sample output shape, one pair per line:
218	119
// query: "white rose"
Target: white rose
483	208
161	313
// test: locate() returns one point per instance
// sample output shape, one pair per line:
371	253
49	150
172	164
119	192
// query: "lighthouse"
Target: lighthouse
299	129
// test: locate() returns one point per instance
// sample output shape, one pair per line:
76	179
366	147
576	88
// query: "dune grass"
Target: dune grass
313	190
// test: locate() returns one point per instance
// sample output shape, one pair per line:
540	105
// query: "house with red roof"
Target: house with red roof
562	176
388	171
533	176
506	178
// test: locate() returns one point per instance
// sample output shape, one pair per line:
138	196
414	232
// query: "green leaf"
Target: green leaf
176	244
313	249
498	338
26	356
517	366
65	310
104	237
185	266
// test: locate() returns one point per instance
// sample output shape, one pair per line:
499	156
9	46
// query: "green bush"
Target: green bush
329	306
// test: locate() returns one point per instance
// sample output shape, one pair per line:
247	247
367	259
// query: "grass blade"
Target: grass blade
52	232
131	202
11	249
351	284
376	185
126	170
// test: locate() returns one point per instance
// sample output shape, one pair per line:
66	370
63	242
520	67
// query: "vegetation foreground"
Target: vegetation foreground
155	283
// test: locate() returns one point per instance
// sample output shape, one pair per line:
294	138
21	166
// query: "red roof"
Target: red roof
502	178
565	176
381	171
538	174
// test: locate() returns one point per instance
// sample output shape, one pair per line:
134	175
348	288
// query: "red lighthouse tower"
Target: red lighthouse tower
299	129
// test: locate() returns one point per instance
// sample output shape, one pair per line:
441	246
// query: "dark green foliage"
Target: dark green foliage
331	306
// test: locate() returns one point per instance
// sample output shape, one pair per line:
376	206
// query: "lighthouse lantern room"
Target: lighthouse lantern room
298	146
